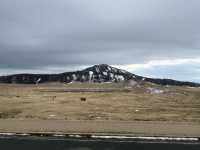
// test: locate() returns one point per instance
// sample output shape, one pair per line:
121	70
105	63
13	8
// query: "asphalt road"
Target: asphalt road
46	143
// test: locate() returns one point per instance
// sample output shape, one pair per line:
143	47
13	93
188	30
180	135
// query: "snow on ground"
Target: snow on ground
154	91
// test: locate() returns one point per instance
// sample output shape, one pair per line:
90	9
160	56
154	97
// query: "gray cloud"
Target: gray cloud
37	33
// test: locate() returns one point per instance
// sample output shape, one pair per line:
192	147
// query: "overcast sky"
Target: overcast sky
156	38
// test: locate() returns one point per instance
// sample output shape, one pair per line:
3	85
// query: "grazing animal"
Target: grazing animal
83	99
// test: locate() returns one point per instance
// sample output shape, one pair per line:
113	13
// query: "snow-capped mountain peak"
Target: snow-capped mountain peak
104	72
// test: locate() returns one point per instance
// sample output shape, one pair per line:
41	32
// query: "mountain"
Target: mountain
96	73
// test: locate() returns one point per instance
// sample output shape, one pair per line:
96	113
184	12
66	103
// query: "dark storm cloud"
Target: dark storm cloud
35	33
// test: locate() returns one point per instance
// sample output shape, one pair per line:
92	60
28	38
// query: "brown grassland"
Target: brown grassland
179	104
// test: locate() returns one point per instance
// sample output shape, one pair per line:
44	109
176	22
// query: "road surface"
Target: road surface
140	128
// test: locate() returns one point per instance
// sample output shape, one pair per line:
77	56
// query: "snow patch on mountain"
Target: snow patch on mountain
119	77
105	73
74	77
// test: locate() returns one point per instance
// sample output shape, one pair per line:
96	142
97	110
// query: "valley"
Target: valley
120	101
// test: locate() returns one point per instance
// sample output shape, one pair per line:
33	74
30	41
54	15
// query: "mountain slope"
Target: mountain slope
96	73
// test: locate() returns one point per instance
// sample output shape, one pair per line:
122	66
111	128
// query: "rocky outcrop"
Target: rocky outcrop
97	73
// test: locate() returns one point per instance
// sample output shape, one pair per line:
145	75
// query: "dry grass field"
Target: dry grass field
179	104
